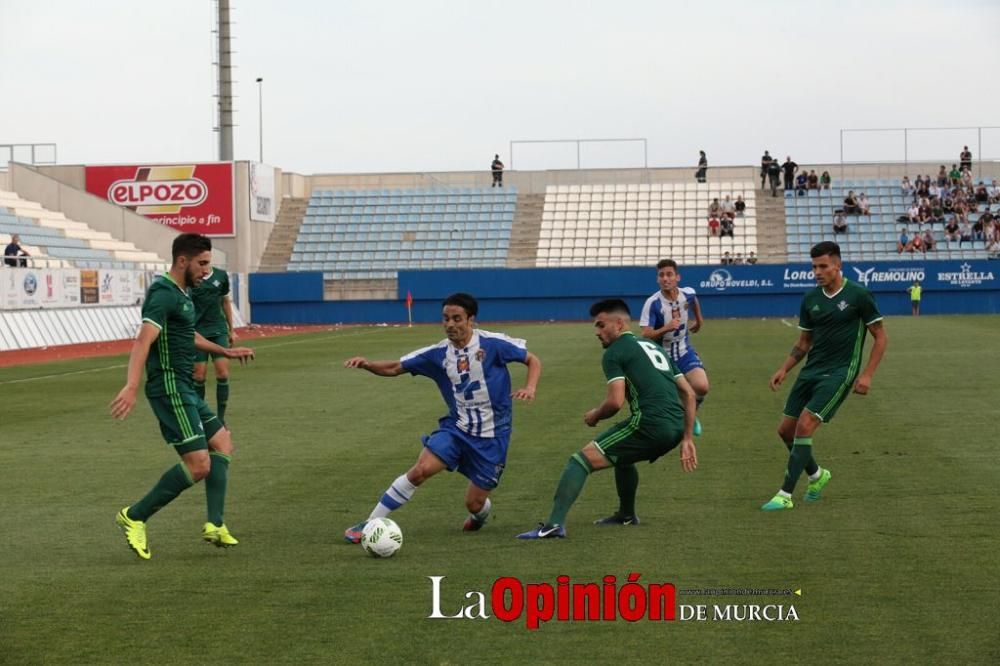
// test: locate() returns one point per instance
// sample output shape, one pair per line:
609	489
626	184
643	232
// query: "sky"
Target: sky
388	86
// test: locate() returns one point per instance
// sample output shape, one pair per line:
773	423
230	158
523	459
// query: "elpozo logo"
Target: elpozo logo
966	277
160	189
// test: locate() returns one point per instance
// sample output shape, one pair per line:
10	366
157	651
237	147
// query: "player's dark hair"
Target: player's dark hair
666	263
464	301
190	245
611	306
825	248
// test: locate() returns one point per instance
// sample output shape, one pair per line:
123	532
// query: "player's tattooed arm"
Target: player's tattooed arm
796	354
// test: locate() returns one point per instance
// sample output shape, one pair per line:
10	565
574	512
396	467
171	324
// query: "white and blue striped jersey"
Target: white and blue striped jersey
658	310
473	380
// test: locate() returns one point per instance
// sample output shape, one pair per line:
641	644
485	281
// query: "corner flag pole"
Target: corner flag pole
409	309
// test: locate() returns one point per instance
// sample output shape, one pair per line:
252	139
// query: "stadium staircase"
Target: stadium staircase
771	239
278	252
525	231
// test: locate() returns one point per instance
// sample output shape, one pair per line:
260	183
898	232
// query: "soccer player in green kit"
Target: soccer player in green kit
214	321
662	406
833	319
166	346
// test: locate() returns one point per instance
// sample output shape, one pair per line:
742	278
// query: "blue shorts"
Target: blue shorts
689	361
479	459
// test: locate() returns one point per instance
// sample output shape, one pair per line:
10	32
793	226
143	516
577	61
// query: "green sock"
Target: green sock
797	460
174	481
199	388
570	484
626	481
221	397
215	487
811	466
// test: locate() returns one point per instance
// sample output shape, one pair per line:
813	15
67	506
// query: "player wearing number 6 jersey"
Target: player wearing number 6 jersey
470	370
662	405
668	317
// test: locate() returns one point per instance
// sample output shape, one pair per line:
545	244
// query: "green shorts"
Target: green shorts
222	340
186	422
820	394
625	442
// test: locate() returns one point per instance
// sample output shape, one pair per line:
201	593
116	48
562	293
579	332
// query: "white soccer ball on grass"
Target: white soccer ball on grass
381	537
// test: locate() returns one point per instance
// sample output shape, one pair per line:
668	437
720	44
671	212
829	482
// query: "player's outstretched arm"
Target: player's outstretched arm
878	351
531	383
125	400
380	368
243	354
613	401
798	352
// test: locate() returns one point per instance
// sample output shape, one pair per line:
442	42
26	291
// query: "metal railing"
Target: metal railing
28	153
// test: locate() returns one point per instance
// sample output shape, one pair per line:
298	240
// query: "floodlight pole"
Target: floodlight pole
260	116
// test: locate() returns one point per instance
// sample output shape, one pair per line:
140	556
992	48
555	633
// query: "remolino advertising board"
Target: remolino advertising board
191	198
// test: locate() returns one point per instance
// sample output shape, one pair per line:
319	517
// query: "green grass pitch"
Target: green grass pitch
897	563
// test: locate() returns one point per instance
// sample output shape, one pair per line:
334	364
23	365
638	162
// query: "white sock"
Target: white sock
782	493
819	473
484	513
395	496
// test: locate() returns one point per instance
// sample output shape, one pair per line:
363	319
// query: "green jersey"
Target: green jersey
838	324
208	296
171	358
650	379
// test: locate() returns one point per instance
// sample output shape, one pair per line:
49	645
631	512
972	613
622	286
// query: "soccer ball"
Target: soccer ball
381	537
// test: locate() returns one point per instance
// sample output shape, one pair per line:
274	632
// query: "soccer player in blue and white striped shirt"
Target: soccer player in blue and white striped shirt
470	370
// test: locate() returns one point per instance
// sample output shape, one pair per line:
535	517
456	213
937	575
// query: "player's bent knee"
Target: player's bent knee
199	468
222	442
475	504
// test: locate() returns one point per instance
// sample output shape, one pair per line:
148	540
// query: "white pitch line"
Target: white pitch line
64	374
125	365
785	322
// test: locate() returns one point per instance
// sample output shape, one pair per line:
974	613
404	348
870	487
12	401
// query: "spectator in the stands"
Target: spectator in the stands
942	177
765	170
751	258
924	211
727	259
993	249
714	208
825	180
929	240
713	226
702	171
864	207
740	205
937	213
813	180
726	227
913	213
951	231
801	183
14	255
738	261
933	192
774	174
907	187
947	203
904	243
982	194
924	187
789	168
497	168
839	223
917	243
955	175
728	208
978	231
967	180
965	232
994	191
965	158
850	204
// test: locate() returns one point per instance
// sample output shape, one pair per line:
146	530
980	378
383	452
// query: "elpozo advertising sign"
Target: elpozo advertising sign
190	198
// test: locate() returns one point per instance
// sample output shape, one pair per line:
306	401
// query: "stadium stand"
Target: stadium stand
638	224
809	220
53	241
372	234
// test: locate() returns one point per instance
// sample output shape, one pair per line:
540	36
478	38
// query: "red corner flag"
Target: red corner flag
409	299
409	308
